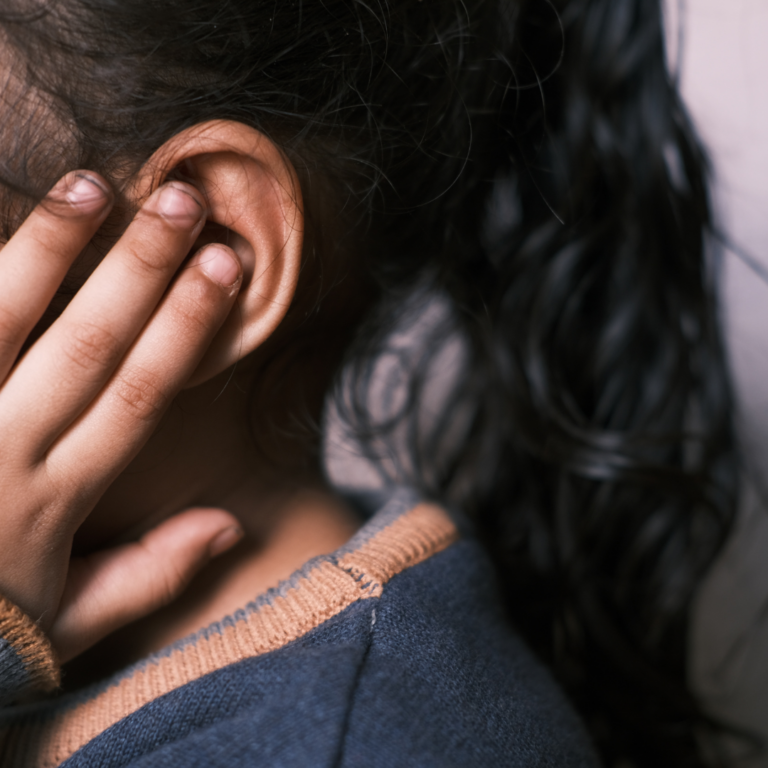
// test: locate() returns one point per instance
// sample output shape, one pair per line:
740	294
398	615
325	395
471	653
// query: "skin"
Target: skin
107	451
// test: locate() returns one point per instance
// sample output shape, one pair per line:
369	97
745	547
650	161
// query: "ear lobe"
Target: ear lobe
253	191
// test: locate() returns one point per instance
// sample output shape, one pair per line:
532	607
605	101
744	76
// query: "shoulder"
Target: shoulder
393	651
445	681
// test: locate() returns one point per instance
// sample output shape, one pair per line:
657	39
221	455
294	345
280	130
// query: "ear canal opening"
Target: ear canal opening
212	232
215	233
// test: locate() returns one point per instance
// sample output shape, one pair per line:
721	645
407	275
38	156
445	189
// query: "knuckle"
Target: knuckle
90	344
149	260
194	307
143	395
12	325
41	520
51	242
64	490
171	584
49	512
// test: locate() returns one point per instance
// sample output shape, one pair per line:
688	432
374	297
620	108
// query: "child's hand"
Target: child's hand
87	395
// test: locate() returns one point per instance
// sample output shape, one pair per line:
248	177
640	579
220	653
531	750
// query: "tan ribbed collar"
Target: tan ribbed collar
44	735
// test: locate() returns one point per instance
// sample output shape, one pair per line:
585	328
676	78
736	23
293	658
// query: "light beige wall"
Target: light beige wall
722	56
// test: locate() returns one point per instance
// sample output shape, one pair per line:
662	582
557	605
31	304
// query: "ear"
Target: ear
253	192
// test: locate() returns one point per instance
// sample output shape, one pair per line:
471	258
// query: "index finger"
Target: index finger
35	260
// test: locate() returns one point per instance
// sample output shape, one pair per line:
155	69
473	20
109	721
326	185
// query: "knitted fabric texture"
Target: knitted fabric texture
397	539
27	659
395	650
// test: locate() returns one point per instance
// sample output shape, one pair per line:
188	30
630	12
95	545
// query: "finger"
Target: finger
83	347
112	588
123	416
34	261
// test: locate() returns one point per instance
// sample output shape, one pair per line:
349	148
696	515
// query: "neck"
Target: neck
306	523
204	454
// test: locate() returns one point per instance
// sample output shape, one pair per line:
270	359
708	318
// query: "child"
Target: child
268	188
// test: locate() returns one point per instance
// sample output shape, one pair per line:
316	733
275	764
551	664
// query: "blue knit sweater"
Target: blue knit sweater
393	651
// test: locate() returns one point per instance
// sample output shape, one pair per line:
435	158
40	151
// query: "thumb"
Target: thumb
111	588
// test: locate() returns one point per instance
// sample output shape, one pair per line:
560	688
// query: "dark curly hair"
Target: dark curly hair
531	162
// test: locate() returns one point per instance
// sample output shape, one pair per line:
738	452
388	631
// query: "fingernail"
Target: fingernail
225	540
219	265
87	194
179	206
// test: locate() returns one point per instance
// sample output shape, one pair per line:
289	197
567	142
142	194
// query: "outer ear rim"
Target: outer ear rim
209	137
241	333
